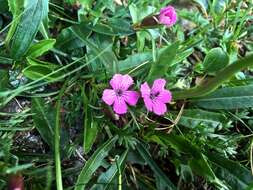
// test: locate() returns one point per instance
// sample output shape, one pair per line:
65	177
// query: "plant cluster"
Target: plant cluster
62	127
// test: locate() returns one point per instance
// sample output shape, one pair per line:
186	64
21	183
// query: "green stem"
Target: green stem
215	82
57	142
120	175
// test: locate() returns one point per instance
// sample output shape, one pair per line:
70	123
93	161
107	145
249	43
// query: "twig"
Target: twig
175	122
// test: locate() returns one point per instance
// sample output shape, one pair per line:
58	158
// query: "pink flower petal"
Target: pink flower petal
121	81
126	82
158	85
163	10
145	90
120	106
115	82
131	97
168	16
165	96
159	108
109	96
148	103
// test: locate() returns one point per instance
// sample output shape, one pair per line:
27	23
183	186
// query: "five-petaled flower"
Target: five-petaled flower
119	96
168	16
155	99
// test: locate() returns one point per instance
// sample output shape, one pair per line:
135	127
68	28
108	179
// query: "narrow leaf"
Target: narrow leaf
40	48
43	119
106	179
27	27
93	163
38	69
236	175
227	98
90	125
158	172
194	117
165	60
108	58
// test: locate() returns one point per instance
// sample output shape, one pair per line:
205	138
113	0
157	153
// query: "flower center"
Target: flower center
119	92
154	95
168	14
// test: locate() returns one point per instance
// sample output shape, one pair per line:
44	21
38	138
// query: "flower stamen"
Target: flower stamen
154	95
119	92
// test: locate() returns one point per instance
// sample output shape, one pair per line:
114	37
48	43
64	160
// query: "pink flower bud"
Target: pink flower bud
168	16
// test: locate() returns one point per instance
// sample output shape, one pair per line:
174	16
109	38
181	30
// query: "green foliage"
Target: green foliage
165	60
43	118
90	125
194	117
94	162
38	69
27	26
57	57
215	60
163	181
106	179
40	48
227	98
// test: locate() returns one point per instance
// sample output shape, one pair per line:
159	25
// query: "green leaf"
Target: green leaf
16	8
87	3
38	69
203	4
4	6
195	17
90	134
158	172
219	7
6	61
4	80
213	83
227	98
236	175
90	124
165	60
197	160
108	58
181	56
194	117
44	120
138	14
106	179
93	163
67	40
40	48
134	60
215	60
115	27
18	168
27	27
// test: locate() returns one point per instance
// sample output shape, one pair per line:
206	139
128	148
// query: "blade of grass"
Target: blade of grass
9	95
93	163
57	141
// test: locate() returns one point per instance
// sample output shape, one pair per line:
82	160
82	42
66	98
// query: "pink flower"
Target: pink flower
120	96
155	99
168	16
